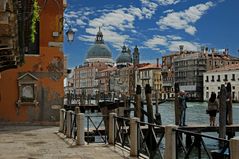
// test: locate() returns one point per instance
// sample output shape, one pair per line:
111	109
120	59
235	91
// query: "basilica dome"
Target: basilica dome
125	57
99	52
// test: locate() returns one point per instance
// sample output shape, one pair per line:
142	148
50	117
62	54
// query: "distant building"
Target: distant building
190	65
98	58
121	78
168	76
150	74
213	80
103	78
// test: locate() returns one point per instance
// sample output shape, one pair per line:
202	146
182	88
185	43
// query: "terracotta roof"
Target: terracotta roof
226	68
150	66
108	69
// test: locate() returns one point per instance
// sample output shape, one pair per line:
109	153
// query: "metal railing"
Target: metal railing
73	132
186	148
96	130
150	141
122	132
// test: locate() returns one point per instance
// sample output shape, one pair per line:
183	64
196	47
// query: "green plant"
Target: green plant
35	19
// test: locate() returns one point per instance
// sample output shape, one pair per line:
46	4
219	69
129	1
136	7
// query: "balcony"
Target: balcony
9	54
145	78
167	84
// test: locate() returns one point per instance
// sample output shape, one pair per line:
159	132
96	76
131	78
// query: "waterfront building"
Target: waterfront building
103	78
189	67
33	92
213	80
168	76
149	74
121	79
86	76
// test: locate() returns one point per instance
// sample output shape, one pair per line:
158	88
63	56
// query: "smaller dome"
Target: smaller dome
124	57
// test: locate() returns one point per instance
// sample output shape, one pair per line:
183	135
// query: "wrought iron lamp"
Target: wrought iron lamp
70	34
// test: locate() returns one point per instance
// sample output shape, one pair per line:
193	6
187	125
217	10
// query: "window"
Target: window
233	87
33	48
207	88
233	77
27	84
207	95
206	79
27	93
218	78
225	77
212	78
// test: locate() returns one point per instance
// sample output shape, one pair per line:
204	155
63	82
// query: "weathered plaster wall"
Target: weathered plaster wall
50	89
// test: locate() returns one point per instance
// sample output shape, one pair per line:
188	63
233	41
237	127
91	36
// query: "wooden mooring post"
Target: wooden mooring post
229	116
151	143
157	114
176	104
222	112
138	102
149	103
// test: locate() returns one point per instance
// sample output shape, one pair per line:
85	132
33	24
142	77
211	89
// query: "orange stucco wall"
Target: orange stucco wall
50	91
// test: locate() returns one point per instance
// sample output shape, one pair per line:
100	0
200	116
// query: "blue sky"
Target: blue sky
157	27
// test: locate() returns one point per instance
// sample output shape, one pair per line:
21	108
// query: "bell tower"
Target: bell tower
136	56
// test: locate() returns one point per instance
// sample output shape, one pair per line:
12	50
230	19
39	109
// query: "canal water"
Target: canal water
195	115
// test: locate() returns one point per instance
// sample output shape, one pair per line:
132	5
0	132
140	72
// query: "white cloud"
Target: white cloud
161	2
115	22
148	8
119	19
155	42
185	19
171	42
190	46
87	38
168	11
167	2
80	22
173	37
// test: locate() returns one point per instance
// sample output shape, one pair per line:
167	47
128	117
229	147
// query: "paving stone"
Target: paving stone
42	142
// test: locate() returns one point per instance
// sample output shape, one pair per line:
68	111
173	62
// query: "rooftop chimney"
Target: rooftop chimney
181	48
157	62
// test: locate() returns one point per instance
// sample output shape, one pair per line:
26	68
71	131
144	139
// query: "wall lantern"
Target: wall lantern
70	35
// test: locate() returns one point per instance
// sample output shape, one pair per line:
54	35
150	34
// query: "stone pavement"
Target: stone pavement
42	142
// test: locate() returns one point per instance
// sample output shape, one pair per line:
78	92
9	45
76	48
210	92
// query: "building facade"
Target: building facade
87	77
150	74
213	80
190	65
168	76
37	86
